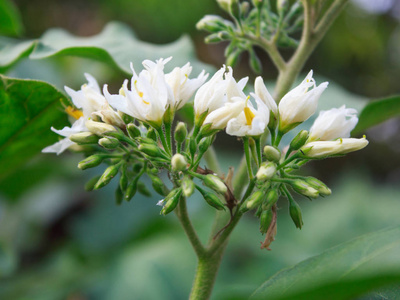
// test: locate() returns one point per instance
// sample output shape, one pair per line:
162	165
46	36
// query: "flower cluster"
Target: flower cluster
133	131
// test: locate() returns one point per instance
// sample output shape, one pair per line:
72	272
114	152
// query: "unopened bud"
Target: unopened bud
299	140
119	196
254	200
215	183
272	153
211	23
180	132
228	5
171	201
89	186
265	220
187	186
233	57
90	162
244	9
158	185
266	171
304	188
152	150
271	199
212	38
258	3
131	189
204	144
109	142
84	138
107	176
178	163
295	214
133	130
152	134
142	188
319	186
99	128
123	180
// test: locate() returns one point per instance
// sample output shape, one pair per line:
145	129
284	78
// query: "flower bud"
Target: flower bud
178	163
213	38
215	183
142	188
322	149
244	8
123	180
295	214
254	200
171	201
187	186
299	140
90	162
180	132
84	138
99	128
211	199
271	199
233	57
258	3
229	6
158	185
119	195
152	134
108	174
211	23
205	143
319	186
133	130
109	143
152	150
131	189
266	171
89	186
265	220
272	153
192	147
304	188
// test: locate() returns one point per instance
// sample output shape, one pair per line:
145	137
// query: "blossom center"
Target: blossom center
140	93
73	112
248	113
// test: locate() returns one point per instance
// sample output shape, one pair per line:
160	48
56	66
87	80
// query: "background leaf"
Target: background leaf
377	112
10	20
116	45
343	272
28	108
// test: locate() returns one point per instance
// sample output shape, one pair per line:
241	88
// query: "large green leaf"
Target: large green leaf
343	272
377	112
115	45
10	20
28	108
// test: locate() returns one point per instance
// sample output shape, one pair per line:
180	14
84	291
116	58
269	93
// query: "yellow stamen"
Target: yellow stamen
122	92
137	90
73	112
248	113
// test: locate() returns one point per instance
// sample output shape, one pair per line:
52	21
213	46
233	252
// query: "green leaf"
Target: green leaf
12	51
116	45
377	112
28	108
10	20
343	272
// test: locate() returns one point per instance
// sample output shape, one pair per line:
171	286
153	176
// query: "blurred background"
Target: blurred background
59	242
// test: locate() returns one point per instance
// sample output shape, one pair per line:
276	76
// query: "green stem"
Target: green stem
246	147
163	140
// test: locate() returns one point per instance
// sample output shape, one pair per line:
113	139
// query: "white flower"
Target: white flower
220	89
98	128
300	103
148	98
61	146
250	121
321	149
261	91
220	117
181	86
334	123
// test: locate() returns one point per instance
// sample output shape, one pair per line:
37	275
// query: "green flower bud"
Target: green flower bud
215	183
213	38
109	143
211	23
178	163
99	128
304	188
119	196
265	220
244	9
131	189
271	199
230	6
152	150
205	143
254	200
123	180
258	3
295	214
133	130
171	201
152	134
299	140
108	174
84	138
282	6
158	185
211	199
266	171
90	162
89	186
233	57
187	186
192	147
180	132
318	185
142	188
272	153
